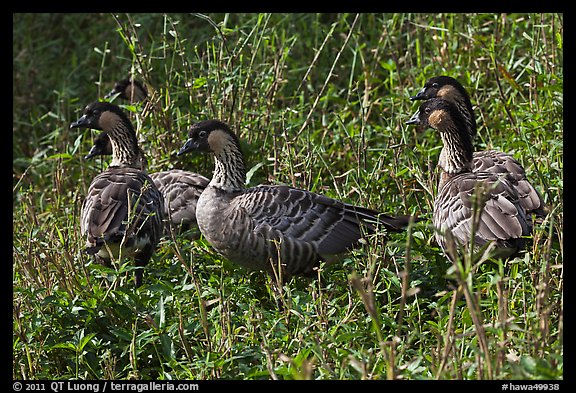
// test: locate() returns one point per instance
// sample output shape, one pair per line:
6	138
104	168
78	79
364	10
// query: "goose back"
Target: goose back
121	205
501	218
180	190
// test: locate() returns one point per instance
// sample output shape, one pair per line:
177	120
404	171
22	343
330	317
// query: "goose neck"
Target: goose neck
229	172
125	150
456	155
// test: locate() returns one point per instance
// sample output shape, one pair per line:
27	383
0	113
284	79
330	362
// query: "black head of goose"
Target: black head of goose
123	210
462	193
101	147
129	89
272	226
492	161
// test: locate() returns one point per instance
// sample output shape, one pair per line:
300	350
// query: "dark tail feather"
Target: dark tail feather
397	223
375	218
93	250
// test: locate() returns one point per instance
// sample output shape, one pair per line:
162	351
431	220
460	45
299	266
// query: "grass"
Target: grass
320	102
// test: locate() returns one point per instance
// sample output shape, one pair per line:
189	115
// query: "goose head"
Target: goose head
440	86
451	90
210	136
101	116
128	89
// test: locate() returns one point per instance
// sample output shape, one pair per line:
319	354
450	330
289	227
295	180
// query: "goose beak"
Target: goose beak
415	119
94	151
189	145
111	94
419	95
81	122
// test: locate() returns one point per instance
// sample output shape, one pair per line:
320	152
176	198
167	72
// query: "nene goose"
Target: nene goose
179	188
492	161
101	147
282	230
479	204
123	210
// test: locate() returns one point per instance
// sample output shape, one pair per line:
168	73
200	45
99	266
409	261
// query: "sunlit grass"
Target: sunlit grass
320	102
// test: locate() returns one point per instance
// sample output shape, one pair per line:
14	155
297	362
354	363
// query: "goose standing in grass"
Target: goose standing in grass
123	210
492	161
472	207
179	188
275	228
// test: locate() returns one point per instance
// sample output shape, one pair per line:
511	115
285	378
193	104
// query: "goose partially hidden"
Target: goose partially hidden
123	210
179	188
129	89
274	228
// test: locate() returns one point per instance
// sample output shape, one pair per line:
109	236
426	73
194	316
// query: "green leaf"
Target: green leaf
85	340
253	170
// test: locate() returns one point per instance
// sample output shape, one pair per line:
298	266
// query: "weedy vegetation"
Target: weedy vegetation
320	102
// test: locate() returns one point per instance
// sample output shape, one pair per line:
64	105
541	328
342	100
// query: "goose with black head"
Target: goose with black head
472	207
123	210
274	228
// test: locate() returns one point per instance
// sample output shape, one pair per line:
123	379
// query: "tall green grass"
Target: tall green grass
320	102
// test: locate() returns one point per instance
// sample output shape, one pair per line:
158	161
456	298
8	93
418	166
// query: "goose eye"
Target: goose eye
427	110
434	84
202	134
